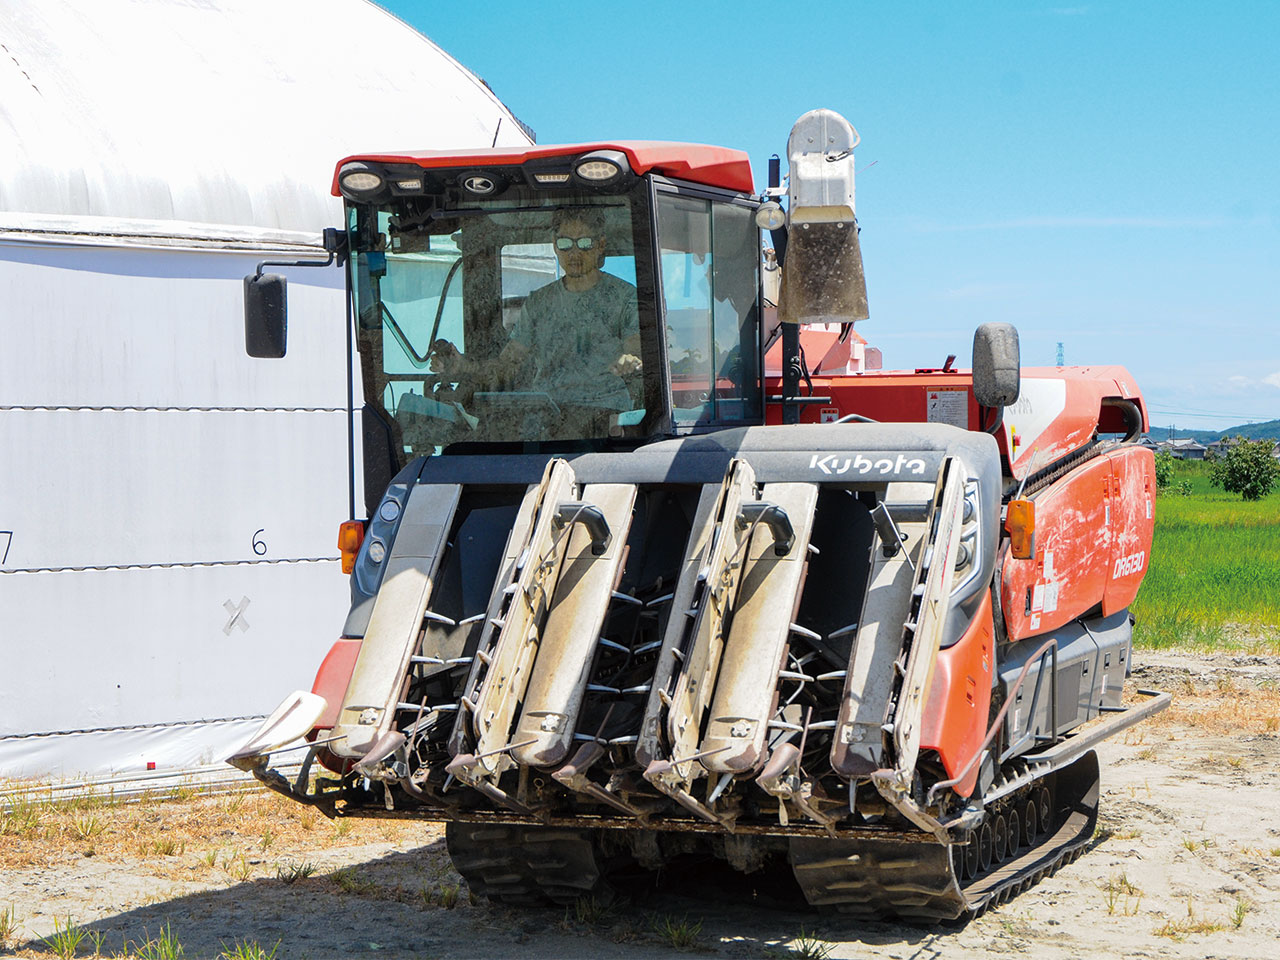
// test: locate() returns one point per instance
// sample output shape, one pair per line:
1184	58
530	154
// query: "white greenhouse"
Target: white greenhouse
168	505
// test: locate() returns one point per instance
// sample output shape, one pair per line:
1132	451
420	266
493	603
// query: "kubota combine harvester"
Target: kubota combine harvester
653	568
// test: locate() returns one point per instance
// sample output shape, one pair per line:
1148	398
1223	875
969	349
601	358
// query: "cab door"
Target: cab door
709	272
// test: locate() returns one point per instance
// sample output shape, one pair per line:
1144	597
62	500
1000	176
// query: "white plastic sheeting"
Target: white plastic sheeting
132	488
228	112
168	505
95	649
104	327
127	751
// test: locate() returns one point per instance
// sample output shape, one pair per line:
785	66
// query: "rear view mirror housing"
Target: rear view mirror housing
266	316
996	364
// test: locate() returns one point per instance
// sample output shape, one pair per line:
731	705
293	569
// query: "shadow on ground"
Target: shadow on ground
394	906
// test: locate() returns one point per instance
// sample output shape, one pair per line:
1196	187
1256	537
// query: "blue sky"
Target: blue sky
1106	175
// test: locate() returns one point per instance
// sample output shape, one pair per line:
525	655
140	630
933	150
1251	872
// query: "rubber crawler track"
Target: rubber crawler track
525	865
923	881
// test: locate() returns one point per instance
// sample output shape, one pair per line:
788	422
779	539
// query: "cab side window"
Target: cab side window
710	261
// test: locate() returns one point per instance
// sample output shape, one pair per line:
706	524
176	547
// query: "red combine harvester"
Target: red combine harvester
625	596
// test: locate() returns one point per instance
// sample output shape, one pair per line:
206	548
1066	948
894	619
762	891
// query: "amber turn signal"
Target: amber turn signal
1020	524
350	536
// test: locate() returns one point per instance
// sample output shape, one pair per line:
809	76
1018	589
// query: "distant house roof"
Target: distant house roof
146	117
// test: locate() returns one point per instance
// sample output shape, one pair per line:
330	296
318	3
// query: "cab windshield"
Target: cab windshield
509	320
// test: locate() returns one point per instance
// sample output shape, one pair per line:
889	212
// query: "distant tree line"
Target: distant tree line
1246	467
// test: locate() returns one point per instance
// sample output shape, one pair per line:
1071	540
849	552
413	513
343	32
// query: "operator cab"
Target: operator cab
643	322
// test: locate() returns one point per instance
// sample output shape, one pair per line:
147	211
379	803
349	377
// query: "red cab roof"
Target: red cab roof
695	162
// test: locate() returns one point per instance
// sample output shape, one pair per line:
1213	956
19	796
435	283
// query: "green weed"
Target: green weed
86	827
238	867
677	934
248	950
23	819
808	947
349	880
97	938
293	872
163	847
8	925
1121	894
588	912
65	939
164	947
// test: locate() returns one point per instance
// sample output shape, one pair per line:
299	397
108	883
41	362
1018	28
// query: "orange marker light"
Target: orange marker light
350	536
1020	523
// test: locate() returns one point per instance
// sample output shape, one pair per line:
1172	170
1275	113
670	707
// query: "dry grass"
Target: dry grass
1234	708
1193	923
1121	895
240	836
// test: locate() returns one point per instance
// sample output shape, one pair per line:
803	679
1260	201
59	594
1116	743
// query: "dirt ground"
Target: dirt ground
1186	863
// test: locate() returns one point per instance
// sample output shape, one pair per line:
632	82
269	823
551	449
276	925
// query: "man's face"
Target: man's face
576	262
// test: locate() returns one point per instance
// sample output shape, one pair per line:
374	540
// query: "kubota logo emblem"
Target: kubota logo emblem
1130	564
831	464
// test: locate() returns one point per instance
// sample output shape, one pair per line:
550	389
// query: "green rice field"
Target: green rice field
1214	576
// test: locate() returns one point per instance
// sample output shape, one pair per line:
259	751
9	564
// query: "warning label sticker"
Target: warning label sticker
949	406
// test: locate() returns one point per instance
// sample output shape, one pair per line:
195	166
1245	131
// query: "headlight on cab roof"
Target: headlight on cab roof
602	168
359	178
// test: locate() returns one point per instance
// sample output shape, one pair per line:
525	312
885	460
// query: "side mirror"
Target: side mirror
996	364
266	319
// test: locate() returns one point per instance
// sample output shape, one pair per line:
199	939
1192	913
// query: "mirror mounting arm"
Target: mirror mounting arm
335	244
291	263
993	427
265	309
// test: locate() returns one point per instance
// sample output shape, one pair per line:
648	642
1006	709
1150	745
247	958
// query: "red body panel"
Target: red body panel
331	683
955	716
332	679
1133	490
695	162
896	397
1059	411
1093	540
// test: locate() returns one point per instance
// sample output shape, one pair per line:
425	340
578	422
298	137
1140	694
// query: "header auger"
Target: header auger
655	574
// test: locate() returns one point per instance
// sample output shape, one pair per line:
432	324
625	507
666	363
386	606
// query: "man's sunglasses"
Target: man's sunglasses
568	243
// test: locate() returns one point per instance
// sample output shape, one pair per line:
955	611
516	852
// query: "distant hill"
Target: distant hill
1270	430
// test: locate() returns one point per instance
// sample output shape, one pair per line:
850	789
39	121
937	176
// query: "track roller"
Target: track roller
527	865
